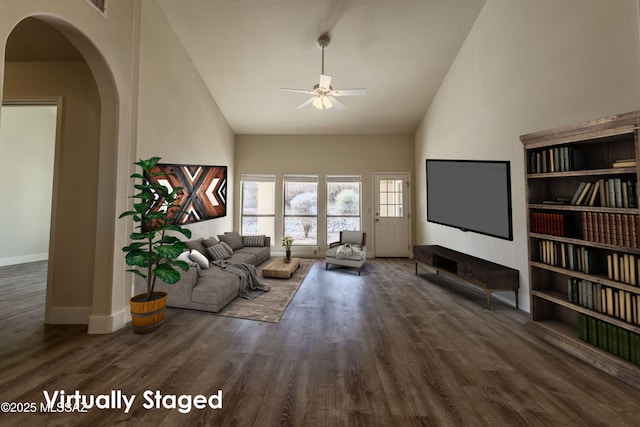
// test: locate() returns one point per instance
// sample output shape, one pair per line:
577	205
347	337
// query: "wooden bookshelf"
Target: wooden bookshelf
590	312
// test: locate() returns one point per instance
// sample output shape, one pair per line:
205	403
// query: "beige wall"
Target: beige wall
526	66
178	119
92	287
323	155
76	185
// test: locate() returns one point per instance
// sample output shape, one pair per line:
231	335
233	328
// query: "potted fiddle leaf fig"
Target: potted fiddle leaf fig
152	252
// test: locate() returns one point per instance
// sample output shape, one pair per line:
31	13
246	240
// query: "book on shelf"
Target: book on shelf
618	303
613	193
555	224
618	341
569	256
623	268
610	228
624	163
558	159
557	201
583	292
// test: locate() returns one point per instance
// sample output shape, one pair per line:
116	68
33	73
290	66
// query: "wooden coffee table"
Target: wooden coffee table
280	269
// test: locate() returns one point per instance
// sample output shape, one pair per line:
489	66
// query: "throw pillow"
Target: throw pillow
233	239
253	241
199	259
218	252
196	244
227	248
210	241
184	256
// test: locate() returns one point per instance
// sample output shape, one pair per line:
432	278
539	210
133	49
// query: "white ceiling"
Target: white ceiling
246	50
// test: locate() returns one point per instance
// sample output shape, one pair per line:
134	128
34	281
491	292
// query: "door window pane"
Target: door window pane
391	195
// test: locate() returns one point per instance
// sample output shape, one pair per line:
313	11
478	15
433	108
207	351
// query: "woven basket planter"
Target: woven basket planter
147	316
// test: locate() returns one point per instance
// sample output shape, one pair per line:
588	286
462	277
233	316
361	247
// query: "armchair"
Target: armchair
350	251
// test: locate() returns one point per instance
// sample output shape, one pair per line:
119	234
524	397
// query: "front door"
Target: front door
391	215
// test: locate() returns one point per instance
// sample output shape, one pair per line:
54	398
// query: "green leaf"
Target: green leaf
167	240
134	246
139	258
148	164
182	264
127	213
167	274
170	251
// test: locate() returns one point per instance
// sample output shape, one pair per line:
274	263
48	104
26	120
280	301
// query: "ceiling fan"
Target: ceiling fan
324	95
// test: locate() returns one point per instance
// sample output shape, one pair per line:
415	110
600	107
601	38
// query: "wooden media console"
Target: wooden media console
486	275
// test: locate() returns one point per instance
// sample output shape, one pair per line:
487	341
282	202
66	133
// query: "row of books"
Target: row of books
611	229
582	292
613	193
611	338
569	256
555	224
623	268
614	302
558	159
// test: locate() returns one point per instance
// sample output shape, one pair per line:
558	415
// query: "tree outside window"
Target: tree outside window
301	208
343	205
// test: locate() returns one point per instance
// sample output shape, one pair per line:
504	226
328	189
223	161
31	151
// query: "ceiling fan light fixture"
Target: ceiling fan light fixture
318	103
323	94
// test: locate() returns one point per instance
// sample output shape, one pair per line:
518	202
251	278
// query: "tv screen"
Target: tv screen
470	195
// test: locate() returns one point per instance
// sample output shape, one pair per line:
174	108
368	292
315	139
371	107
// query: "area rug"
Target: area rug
269	306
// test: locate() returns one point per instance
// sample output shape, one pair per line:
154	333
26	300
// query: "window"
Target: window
301	208
258	205
391	195
343	205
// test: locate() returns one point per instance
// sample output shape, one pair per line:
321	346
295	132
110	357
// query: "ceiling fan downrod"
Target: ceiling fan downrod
323	41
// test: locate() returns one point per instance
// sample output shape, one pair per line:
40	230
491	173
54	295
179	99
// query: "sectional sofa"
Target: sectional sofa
206	286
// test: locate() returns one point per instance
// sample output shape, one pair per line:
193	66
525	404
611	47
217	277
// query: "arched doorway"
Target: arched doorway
46	56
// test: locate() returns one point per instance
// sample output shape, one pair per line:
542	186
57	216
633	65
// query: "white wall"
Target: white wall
526	66
27	143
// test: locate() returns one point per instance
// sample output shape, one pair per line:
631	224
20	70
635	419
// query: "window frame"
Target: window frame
299	179
331	179
257	178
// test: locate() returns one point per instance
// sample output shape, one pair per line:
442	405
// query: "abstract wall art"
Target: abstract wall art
204	190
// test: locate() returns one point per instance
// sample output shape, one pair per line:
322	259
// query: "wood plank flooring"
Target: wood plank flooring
386	348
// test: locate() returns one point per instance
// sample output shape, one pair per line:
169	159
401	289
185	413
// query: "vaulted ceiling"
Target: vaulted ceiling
246	50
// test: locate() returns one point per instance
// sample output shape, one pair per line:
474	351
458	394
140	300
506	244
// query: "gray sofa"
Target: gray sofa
206	286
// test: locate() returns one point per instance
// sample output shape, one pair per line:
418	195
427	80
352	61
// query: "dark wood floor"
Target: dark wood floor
387	348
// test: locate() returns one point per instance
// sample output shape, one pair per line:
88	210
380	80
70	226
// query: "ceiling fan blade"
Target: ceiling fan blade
325	81
305	103
337	104
349	92
308	92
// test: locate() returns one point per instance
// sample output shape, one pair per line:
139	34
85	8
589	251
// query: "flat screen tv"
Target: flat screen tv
471	195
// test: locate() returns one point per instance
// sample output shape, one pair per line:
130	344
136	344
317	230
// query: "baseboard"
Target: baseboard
23	259
106	324
68	315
